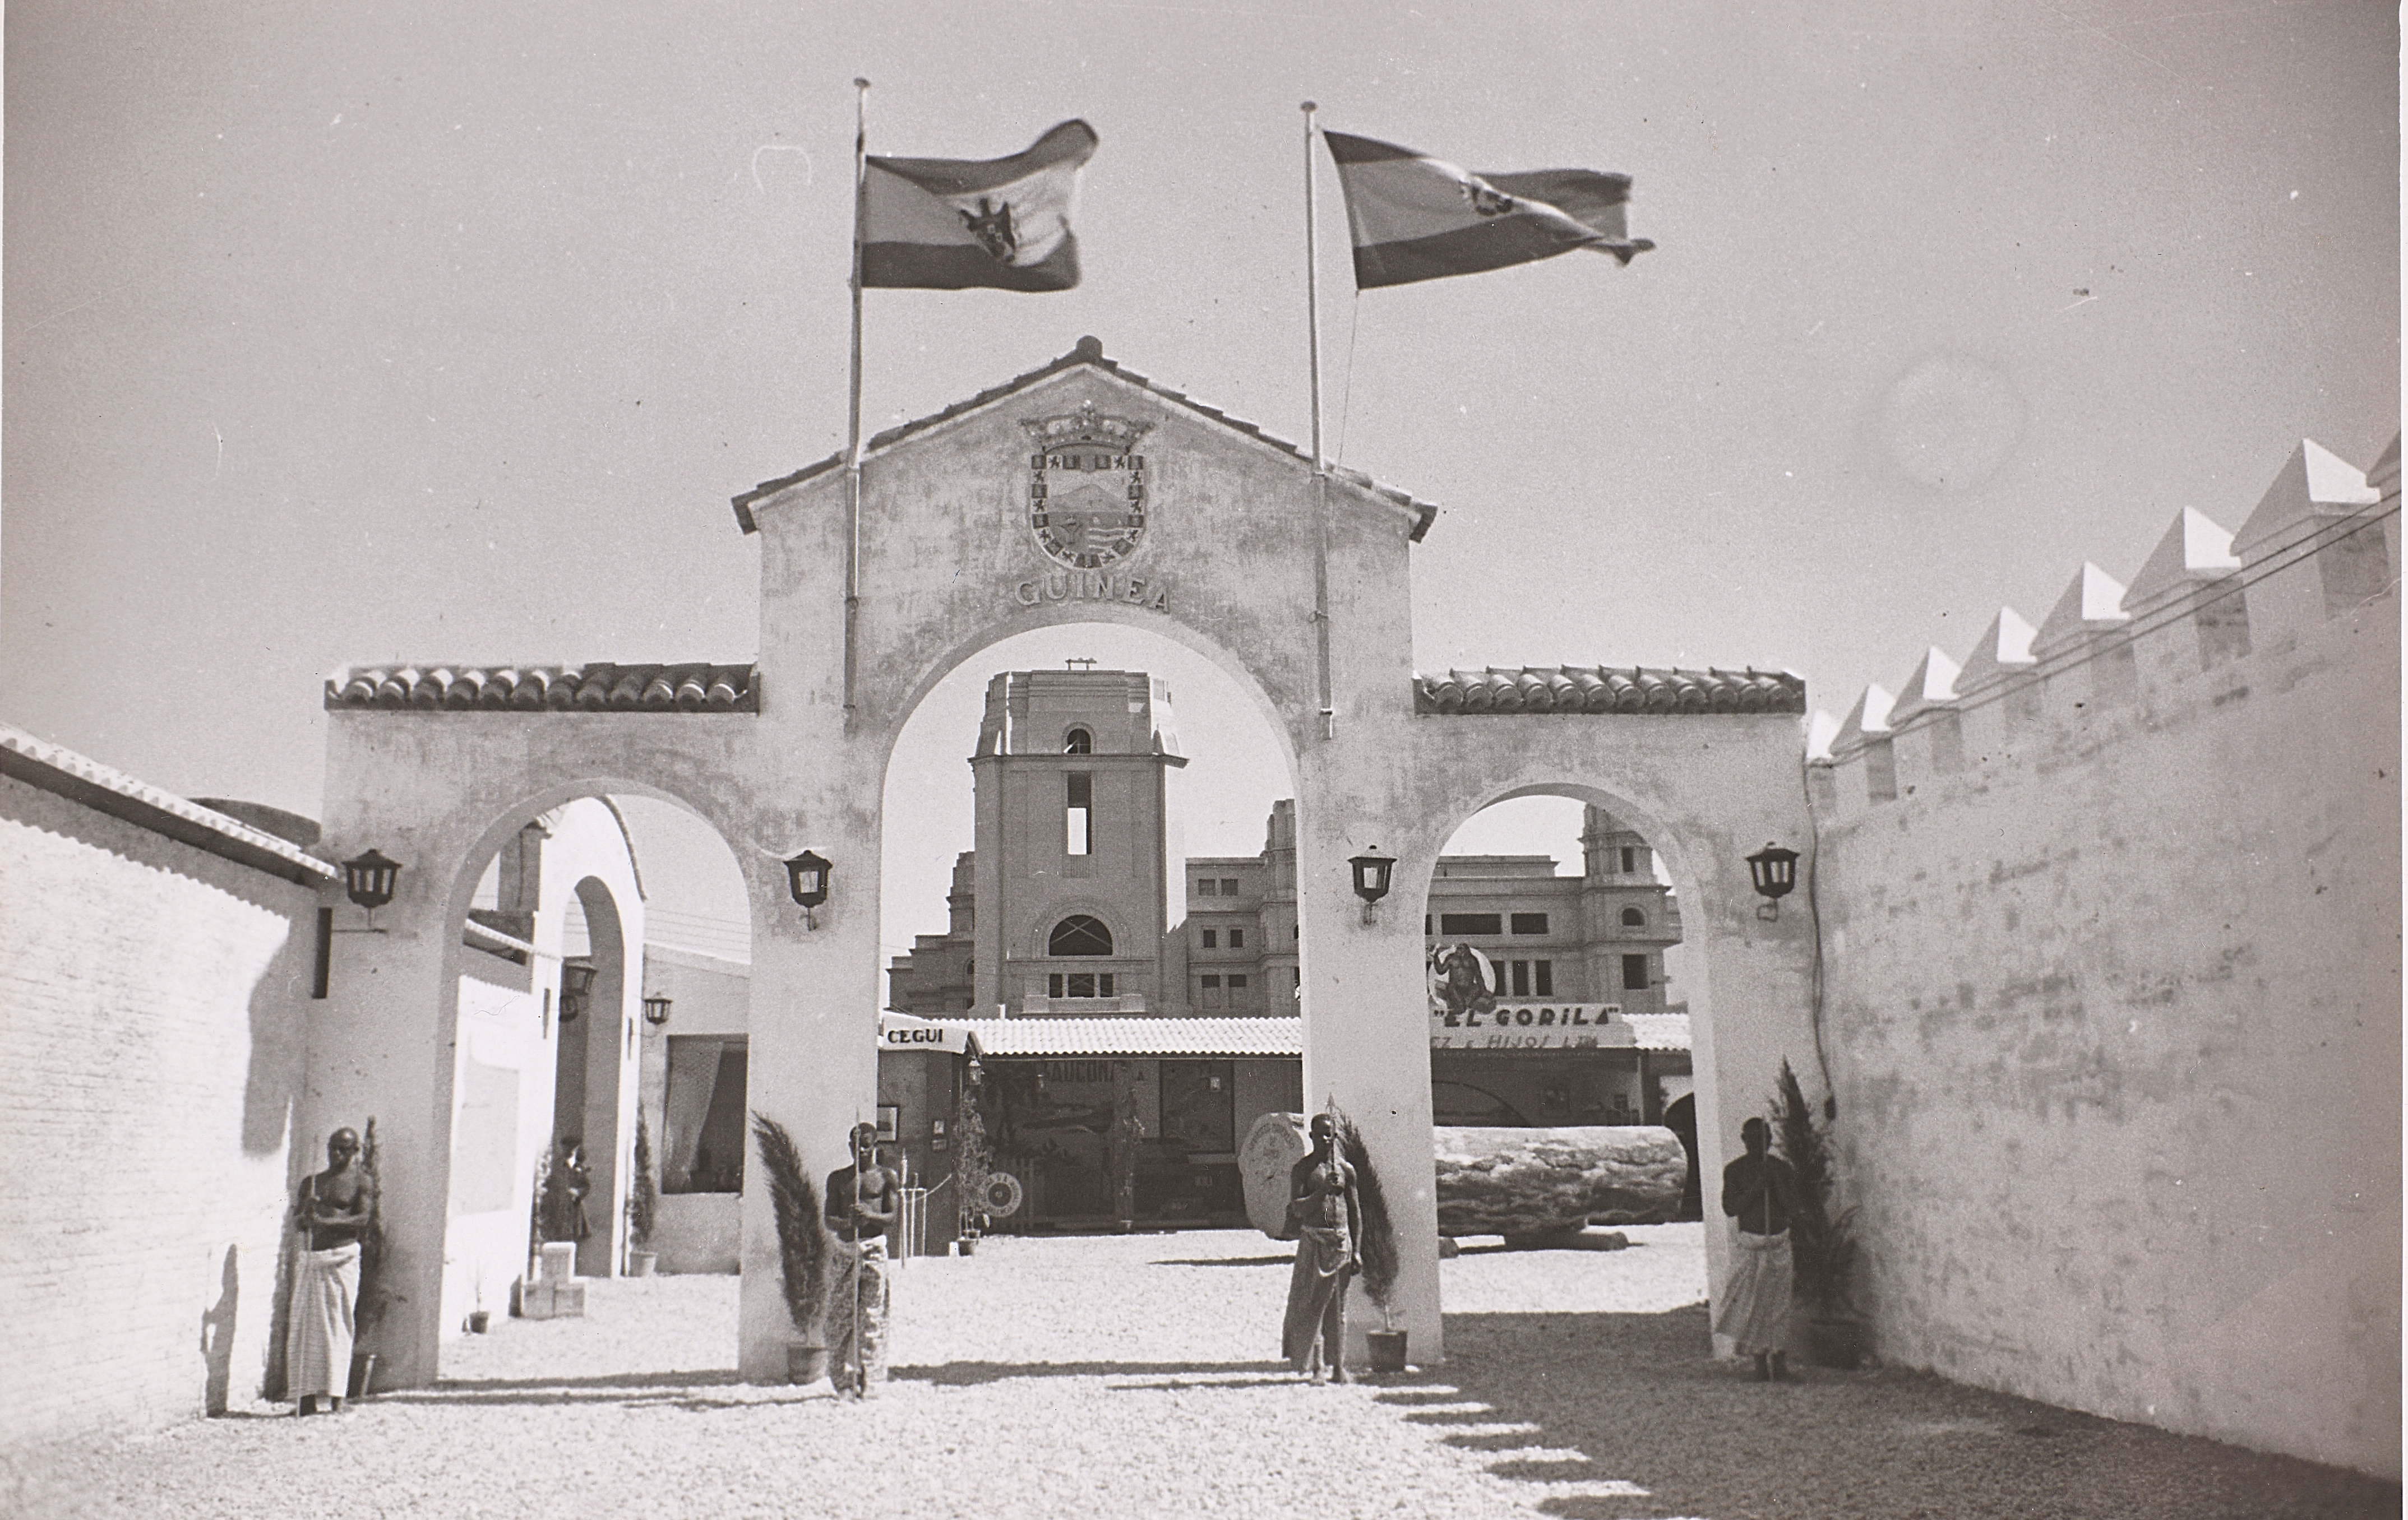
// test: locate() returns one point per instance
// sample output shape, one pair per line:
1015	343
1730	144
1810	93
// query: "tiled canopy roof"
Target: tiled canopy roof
585	688
1088	352
79	778
1040	1036
1659	1031
1609	690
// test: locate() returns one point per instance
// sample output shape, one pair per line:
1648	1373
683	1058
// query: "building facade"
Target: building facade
1126	988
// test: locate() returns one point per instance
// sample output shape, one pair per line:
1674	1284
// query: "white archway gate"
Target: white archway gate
1075	494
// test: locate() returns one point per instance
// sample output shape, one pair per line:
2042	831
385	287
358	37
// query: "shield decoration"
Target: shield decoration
1088	491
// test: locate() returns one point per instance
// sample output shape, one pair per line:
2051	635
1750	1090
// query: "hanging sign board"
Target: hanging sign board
1466	1012
1493	1025
901	1031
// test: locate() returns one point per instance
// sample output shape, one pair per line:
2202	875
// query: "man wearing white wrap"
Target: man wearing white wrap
1759	1193
336	1210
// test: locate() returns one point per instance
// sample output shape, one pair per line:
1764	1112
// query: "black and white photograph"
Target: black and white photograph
923	760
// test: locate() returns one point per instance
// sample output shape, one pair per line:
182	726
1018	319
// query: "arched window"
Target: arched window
1079	741
1633	918
1079	936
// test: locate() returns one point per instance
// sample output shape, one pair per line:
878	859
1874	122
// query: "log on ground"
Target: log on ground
1541	1182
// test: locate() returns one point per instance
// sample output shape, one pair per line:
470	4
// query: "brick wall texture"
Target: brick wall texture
152	1000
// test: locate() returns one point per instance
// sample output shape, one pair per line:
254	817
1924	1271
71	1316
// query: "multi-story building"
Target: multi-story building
1101	975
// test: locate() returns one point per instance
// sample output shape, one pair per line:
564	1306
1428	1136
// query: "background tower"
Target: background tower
1074	882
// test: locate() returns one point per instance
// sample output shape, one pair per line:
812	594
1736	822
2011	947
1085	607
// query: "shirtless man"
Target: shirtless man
336	1210
1325	1209
862	1202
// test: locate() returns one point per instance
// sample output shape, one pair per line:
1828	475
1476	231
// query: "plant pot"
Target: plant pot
1839	1341
478	1320
805	1362
1387	1350
363	1374
970	1245
640	1263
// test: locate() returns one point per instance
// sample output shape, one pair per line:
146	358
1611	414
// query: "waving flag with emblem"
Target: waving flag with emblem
955	224
1416	218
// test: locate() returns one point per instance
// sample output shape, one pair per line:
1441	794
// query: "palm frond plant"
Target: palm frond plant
1377	1249
1823	1245
804	1249
644	1193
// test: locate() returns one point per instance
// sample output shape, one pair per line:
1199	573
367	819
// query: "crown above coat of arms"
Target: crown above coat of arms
1087	487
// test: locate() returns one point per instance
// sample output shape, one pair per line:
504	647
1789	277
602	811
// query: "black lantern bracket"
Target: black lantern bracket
656	1009
576	976
1774	871
807	880
1371	874
367	880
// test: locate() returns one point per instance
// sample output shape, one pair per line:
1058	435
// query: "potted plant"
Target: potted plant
1822	1237
643	1206
1377	1249
803	1249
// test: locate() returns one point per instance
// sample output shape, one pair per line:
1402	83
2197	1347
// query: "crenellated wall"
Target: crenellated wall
2111	916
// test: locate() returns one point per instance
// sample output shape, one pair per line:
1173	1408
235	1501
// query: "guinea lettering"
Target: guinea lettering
1092	586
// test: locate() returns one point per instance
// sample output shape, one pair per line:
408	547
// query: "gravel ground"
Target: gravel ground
1132	1376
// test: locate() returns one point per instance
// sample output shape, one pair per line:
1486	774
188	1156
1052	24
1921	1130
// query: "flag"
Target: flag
952	224
1416	218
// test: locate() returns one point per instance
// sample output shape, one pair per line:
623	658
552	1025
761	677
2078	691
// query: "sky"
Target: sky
340	334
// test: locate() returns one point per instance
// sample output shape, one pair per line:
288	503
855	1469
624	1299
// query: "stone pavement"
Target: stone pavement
1132	1376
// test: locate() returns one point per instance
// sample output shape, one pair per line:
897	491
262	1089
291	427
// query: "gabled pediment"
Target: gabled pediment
1088	356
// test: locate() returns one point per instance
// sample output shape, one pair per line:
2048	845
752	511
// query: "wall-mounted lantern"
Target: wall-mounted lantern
1774	871
1371	870
575	984
656	1009
807	877
367	880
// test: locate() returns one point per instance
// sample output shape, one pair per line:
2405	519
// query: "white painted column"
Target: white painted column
813	1054
1366	1033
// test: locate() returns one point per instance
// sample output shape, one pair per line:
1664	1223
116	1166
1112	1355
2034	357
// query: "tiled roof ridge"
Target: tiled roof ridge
596	686
80	779
1608	689
1089	351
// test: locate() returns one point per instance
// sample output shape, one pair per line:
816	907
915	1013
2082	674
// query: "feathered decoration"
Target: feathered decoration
802	1235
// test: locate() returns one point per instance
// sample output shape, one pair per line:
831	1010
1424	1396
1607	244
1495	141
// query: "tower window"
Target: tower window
1079	984
1212	939
1633	918
1077	815
1236	939
1521	978
1530	923
1630	860
1228	886
1634	972
1081	935
1543	978
1078	742
1470	923
1206	887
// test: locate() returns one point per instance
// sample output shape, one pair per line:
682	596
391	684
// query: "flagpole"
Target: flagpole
1312	285
853	414
1320	466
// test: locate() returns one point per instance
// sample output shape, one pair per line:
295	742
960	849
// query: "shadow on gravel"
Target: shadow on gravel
1287	1261
618	1389
1615	1399
972	1375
